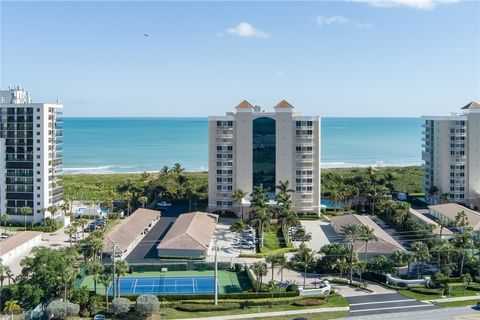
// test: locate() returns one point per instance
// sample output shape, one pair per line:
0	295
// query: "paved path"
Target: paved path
275	314
460	313
455	299
384	303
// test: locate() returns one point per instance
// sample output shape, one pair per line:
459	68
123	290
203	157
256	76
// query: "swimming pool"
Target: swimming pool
330	205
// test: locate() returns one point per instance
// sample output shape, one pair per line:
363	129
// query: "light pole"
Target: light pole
113	271
216	275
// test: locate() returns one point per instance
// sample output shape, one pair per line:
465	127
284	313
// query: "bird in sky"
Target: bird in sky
146	35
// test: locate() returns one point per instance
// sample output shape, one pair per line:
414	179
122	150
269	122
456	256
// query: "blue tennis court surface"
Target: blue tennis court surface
166	285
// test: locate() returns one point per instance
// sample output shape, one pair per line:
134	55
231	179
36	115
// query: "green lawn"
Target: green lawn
273	241
454	293
229	282
458	303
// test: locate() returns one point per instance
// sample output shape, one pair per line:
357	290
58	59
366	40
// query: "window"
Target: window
219	148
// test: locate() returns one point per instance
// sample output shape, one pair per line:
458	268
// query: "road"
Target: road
457	313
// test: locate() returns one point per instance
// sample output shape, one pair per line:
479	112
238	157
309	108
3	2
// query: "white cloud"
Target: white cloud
337	19
418	4
246	30
279	73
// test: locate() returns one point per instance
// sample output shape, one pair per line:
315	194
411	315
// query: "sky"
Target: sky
338	58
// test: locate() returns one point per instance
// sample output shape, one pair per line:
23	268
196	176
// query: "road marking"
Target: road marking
467	317
391	301
389	308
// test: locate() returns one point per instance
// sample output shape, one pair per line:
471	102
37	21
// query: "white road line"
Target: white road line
389	308
391	301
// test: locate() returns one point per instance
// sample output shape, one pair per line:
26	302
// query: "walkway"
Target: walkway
275	314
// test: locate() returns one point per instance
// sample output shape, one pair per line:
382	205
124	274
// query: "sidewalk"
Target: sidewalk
275	314
454	299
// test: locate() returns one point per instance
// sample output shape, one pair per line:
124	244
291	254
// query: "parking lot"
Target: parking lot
227	249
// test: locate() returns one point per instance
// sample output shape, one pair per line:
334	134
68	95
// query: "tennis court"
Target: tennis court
166	285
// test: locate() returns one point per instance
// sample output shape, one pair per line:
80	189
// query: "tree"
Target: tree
120	306
283	188
127	197
82	222
70	230
147	304
105	280
420	249
304	258
367	235
262	219
80	296
259	269
272	287
352	233
5	218
287	219
143	201
398	260
238	196
282	264
65	207
95	268
25	211
62	309
461	220
53	210
463	241
273	260
409	258
121	269
12	307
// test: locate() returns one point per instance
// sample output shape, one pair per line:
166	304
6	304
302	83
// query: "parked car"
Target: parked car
247	246
248	230
164	204
99	317
91	227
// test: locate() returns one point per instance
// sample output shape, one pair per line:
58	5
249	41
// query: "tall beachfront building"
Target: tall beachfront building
30	157
252	147
451	156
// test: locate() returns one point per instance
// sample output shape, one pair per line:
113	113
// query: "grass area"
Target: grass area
273	241
453	294
458	303
229	282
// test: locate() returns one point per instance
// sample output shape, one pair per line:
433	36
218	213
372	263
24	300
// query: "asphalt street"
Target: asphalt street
457	313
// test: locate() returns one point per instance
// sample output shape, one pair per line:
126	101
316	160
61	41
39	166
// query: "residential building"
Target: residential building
189	237
451	156
448	213
31	158
444	232
383	244
252	147
18	244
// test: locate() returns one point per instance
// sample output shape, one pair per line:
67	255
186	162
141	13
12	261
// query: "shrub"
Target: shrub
291	288
120	305
426	291
197	307
308	302
62	309
85	313
147	304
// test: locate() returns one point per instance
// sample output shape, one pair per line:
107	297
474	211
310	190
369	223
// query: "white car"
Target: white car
164	204
247	246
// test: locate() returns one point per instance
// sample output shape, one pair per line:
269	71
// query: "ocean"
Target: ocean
114	145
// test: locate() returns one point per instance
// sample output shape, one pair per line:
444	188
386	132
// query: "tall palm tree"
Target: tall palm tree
25	211
273	260
177	169
287	219
422	254
143	201
352	233
105	280
82	222
262	219
282	264
9	275
283	188
398	260
409	258
12	306
65	207
127	197
463	242
238	196
367	235
94	268
121	268
96	245
4	218
70	230
53	211
259	269
305	257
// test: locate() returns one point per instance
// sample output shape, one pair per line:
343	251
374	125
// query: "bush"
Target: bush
85	313
120	306
426	291
291	288
196	307
308	302
62	309
147	304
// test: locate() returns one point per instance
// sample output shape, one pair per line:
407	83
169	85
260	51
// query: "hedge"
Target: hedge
223	296
473	287
427	291
195	307
308	302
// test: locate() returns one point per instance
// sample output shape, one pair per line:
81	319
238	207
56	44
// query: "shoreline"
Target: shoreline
332	165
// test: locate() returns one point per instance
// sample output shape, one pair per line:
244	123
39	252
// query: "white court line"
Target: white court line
134	285
391	301
389	308
193	285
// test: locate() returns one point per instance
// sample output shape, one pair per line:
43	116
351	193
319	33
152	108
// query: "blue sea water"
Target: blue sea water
107	145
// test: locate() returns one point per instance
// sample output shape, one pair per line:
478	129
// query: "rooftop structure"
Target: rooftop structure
18	243
437	229
190	236
385	244
449	211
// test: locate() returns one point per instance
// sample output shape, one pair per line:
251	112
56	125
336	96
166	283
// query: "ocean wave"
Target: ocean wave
377	164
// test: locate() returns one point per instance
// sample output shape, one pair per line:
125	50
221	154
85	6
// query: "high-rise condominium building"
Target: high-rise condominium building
252	147
452	156
30	158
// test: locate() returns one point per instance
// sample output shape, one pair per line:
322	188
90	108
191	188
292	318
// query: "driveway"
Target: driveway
319	230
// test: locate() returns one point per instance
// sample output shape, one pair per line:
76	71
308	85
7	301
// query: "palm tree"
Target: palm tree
96	245
287	219
164	171
305	257
262	219
352	233
70	230
282	264
462	242
9	275
121	268
238	196
127	197
259	269
143	201
409	258
272	287
443	224
65	207
177	169
397	259
25	211
12	307
282	187
94	269
105	280
82	222
53	211
4	218
367	236
420	249
273	260
461	220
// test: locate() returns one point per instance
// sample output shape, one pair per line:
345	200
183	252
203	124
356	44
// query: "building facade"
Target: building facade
451	155
31	159
251	147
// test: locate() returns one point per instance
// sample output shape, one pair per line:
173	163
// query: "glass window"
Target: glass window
264	153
